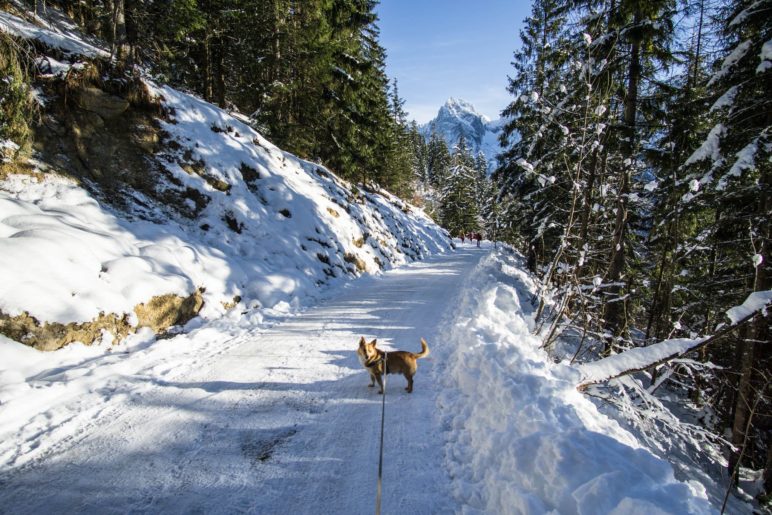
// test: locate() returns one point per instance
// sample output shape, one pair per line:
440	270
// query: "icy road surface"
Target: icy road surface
277	420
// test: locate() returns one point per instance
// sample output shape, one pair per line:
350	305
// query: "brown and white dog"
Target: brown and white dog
397	362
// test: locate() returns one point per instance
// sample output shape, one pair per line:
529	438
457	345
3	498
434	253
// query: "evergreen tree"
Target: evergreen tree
730	179
527	163
402	164
459	211
438	160
642	197
420	152
483	190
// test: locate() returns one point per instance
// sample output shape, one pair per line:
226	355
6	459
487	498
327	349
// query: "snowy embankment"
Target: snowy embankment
246	224
65	257
521	438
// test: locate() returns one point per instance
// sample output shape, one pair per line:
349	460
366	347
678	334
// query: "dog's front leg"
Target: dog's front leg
380	382
372	380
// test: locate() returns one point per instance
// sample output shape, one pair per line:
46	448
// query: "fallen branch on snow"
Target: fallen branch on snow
641	358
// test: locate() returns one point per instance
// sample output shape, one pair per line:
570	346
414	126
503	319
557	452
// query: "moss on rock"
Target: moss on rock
164	311
159	313
49	336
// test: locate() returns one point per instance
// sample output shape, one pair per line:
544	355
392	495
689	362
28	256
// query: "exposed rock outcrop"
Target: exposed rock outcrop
159	313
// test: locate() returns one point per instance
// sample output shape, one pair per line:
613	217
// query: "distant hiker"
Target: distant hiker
478	237
462	237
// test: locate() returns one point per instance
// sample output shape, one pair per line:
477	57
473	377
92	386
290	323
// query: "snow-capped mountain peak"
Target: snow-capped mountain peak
457	118
461	109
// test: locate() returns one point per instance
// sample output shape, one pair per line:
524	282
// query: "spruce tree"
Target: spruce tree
459	209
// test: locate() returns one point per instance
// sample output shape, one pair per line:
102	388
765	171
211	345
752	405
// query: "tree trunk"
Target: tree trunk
758	332
218	71
763	281
40	7
745	394
768	471
615	313
120	45
584	230
208	87
696	68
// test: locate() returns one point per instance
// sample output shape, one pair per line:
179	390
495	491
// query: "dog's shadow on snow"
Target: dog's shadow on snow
343	359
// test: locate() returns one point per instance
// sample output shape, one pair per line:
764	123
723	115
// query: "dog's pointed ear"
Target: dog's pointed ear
362	341
373	342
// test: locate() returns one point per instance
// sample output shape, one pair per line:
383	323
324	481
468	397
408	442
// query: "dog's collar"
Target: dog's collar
370	363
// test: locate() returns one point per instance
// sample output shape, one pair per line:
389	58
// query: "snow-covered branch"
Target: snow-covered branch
641	358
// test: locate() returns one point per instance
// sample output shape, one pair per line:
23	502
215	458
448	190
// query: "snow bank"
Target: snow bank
521	439
267	228
64	258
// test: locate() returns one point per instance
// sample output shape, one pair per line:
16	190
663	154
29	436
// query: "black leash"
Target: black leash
380	459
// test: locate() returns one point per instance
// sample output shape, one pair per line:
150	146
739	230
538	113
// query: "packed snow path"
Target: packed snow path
276	421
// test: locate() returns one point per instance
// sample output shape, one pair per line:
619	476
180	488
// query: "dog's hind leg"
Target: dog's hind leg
409	383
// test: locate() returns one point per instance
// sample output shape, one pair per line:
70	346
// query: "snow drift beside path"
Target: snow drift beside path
521	439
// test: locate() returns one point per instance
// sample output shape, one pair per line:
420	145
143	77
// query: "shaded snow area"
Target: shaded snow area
521	438
62	34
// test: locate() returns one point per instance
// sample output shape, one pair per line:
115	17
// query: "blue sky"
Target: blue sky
451	48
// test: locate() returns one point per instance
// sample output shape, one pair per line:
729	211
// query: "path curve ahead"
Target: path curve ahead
281	421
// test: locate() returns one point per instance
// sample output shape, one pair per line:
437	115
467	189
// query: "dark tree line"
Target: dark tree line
310	73
637	179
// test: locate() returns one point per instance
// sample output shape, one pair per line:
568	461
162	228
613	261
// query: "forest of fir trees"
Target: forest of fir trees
636	178
310	74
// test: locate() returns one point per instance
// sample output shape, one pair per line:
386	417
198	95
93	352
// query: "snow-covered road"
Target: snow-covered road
277	420
274	415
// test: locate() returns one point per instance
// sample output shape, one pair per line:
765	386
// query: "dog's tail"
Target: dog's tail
424	350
